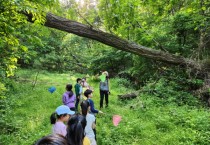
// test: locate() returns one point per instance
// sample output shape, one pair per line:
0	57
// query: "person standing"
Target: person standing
76	131
104	90
69	97
77	92
58	118
90	118
89	94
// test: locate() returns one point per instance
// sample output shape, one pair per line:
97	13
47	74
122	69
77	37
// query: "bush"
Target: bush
169	92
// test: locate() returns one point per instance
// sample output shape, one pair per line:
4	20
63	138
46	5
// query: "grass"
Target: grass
28	110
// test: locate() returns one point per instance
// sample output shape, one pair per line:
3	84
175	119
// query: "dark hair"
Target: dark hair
54	116
78	79
84	106
75	130
69	87
54	139
87	92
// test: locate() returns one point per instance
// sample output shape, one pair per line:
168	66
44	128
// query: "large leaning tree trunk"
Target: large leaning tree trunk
82	30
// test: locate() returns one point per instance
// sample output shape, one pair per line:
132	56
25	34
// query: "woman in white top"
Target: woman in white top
90	118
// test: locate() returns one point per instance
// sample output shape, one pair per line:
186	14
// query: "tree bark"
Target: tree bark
82	30
127	96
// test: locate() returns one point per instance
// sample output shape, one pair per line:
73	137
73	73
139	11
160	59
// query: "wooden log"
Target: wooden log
127	96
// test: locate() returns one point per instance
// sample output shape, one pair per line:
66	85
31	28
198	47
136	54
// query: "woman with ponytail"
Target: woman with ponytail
90	118
58	118
76	131
69	97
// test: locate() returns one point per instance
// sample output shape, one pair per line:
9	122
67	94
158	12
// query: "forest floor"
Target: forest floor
144	120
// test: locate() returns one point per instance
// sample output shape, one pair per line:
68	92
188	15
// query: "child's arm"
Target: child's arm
64	99
93	120
93	125
92	108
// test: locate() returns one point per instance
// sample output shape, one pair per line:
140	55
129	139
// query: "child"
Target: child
75	131
69	98
85	107
85	84
54	139
61	115
88	94
77	92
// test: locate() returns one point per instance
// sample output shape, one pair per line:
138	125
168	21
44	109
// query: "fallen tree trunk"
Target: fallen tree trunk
127	96
82	30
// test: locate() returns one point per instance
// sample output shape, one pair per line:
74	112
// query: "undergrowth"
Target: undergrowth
163	113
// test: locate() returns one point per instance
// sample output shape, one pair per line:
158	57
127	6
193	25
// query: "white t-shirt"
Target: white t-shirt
88	128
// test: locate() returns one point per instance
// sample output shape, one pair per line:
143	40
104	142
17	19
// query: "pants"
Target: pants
77	103
102	94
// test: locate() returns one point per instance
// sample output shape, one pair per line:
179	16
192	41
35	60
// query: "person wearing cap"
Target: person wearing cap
59	117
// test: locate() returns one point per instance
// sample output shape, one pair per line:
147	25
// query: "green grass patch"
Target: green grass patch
151	119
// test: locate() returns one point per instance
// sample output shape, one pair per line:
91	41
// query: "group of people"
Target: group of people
74	127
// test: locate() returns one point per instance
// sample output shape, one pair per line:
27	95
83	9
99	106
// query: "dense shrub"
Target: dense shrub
169	91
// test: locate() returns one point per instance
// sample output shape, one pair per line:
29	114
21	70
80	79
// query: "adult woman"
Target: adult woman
104	89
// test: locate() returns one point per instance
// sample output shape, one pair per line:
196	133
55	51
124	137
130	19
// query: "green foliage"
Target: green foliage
155	118
11	29
171	115
111	60
168	91
176	27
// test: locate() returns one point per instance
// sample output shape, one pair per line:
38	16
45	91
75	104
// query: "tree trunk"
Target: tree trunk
82	30
127	96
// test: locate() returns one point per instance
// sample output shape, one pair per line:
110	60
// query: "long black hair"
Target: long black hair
76	129
84	106
54	139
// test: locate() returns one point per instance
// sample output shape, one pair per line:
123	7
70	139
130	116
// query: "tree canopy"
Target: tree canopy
176	32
